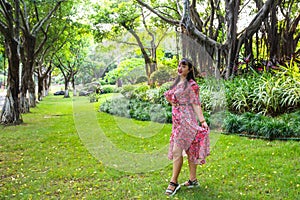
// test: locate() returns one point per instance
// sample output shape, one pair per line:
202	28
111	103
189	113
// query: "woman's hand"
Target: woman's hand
204	125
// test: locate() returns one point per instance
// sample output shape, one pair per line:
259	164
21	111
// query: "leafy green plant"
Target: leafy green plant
284	126
232	123
137	109
141	79
268	93
127	91
93	97
159	77
108	89
140	92
212	95
128	70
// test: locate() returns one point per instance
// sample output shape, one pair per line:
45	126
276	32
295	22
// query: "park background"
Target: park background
83	114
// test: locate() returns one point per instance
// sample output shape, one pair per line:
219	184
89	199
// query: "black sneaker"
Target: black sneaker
191	184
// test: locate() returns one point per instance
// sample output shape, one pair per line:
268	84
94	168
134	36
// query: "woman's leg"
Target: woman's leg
193	170
177	163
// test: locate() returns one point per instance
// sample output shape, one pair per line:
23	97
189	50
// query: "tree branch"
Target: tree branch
256	22
37	27
170	21
295	24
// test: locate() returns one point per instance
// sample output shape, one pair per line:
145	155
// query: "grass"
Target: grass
59	153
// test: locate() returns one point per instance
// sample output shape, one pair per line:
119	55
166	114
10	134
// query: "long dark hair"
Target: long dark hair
191	75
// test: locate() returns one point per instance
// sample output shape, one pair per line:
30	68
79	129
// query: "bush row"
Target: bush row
140	110
266	95
256	125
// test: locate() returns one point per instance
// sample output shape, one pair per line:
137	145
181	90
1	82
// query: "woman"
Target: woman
187	135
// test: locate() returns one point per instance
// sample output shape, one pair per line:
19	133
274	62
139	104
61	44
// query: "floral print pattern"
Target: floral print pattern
186	132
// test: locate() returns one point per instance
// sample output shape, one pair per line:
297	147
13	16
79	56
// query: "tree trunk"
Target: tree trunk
28	86
150	63
290	37
31	91
228	52
66	89
48	83
43	84
232	10
24	104
10	112
74	87
40	87
273	34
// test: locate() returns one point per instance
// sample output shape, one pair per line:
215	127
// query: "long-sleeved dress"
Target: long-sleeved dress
186	132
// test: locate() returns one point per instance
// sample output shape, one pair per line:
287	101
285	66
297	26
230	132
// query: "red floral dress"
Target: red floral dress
186	132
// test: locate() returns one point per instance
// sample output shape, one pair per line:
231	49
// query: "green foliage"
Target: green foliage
159	77
137	109
237	94
156	95
116	106
128	70
127	91
141	79
93	97
169	64
212	94
107	89
140	92
113	18
257	125
269	93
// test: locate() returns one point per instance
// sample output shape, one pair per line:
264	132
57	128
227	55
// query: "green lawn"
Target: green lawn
66	150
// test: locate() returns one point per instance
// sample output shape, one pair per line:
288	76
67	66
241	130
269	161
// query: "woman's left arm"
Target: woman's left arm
198	110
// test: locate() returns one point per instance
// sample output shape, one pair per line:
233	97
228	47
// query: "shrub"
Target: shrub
162	89
93	97
158	113
108	89
140	92
284	126
103	82
134	108
238	92
141	79
116	106
153	95
265	93
118	89
212	95
127	91
159	77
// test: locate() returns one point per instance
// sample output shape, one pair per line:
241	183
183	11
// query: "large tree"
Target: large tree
20	24
116	16
32	24
9	28
209	26
70	57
